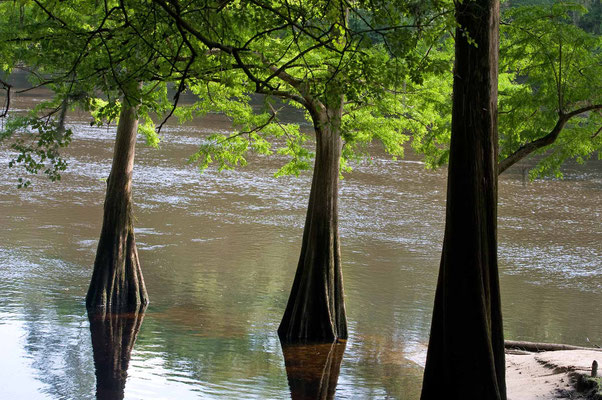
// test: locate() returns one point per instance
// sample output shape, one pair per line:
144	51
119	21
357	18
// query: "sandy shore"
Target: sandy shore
547	375
539	376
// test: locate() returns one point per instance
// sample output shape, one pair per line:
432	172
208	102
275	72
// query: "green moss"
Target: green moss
591	386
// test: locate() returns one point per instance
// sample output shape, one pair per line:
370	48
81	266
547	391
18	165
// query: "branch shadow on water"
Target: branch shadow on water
313	369
113	338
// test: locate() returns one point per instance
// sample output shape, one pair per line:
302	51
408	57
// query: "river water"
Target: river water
219	250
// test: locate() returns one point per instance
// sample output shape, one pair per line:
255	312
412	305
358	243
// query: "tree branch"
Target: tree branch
544	141
181	22
7	106
50	15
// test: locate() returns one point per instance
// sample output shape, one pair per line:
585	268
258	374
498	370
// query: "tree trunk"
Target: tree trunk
113	338
117	281
313	370
465	358
316	310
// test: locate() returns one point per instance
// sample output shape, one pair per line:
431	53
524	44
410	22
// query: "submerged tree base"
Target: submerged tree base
315	311
117	286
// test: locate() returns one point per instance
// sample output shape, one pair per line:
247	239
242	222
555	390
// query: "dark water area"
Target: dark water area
219	251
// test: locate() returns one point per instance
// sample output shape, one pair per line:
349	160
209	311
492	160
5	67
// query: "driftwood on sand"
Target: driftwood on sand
537	347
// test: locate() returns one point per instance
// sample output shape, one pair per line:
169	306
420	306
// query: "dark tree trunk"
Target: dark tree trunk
465	357
316	309
313	370
117	281
113	338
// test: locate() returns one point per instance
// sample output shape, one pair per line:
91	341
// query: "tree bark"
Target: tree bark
117	281
313	370
113	338
465	358
316	309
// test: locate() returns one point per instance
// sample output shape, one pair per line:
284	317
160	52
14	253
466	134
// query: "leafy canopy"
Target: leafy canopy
308	54
550	91
549	68
300	53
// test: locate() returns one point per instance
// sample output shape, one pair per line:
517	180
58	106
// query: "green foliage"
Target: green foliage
303	53
549	67
308	55
391	62
37	145
89	56
261	131
592	21
148	129
102	111
430	105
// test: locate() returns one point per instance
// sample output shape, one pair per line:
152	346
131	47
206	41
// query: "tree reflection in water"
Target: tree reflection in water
113	338
313	369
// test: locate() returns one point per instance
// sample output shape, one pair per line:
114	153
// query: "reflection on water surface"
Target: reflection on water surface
113	338
218	252
313	369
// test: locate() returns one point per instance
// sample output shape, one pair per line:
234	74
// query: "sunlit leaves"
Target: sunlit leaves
258	129
374	54
549	67
102	111
90	55
148	129
313	43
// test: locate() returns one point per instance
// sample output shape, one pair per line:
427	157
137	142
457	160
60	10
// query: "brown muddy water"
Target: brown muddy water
218	253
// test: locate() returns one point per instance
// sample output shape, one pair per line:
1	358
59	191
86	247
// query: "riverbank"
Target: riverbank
550	374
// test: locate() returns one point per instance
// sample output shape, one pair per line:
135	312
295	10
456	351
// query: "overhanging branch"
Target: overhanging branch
544	141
